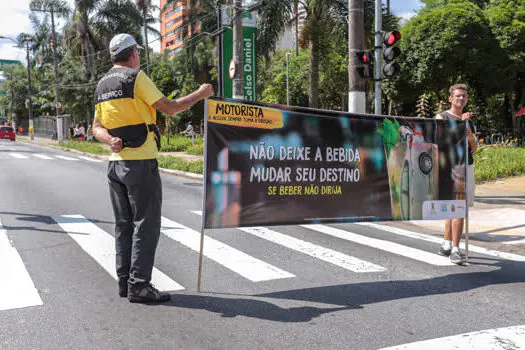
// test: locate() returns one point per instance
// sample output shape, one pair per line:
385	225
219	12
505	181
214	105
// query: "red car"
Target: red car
7	132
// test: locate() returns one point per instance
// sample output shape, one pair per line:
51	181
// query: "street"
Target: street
337	286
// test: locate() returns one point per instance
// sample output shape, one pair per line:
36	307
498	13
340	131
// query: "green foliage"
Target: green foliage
424	109
492	163
175	163
88	147
180	143
196	150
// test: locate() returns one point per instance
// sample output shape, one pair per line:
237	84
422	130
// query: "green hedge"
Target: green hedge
492	163
175	163
181	144
84	146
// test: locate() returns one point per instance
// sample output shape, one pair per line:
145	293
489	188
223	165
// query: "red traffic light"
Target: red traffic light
392	37
364	57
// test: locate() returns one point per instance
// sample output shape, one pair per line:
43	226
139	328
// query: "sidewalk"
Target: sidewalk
498	214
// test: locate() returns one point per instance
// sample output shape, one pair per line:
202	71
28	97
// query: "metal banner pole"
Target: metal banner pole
467	199
199	278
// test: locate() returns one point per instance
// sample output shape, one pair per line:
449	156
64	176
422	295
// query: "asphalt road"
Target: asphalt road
324	287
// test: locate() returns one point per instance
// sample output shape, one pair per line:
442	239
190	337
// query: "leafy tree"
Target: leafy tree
447	45
507	21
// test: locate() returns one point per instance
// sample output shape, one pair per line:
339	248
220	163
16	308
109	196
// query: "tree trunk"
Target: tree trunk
314	72
512	102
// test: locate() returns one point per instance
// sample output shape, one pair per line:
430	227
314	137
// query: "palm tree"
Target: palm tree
114	17
79	35
143	6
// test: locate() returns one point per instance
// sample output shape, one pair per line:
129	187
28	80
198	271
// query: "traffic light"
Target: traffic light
366	68
390	53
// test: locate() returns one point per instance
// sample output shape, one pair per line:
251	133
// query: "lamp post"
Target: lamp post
28	82
287	79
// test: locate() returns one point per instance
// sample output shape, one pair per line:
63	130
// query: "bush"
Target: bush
179	143
88	147
197	150
175	163
496	162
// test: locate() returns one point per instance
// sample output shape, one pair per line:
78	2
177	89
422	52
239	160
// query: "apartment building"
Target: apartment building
171	26
288	37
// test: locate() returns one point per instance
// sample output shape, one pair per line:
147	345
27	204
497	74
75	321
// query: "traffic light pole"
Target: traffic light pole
377	50
356	43
238	80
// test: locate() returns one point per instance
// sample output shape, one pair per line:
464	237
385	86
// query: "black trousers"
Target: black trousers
136	196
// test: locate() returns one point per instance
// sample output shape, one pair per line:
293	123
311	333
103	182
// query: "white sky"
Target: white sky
14	19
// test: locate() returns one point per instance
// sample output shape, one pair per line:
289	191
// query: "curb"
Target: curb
105	159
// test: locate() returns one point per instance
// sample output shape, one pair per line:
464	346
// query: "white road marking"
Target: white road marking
18	289
18	156
437	240
328	255
66	158
100	245
390	247
241	263
90	159
494	339
42	156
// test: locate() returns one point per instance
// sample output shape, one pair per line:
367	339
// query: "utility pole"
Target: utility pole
58	105
388	6
377	50
296	12
356	43
144	13
238	80
31	126
219	40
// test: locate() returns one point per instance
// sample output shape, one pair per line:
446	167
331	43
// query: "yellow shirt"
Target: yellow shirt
123	101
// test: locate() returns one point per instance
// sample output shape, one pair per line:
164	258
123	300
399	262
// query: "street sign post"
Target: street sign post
249	24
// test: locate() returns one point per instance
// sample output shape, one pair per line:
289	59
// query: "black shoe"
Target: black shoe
146	293
444	252
123	286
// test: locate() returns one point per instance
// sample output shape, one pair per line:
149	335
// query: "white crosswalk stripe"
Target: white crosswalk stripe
390	247
18	156
101	246
90	159
19	291
241	263
428	238
42	156
325	254
66	158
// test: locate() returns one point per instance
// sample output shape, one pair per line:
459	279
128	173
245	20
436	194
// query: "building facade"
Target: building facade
172	21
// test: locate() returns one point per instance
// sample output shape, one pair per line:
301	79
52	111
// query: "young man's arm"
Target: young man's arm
102	134
171	107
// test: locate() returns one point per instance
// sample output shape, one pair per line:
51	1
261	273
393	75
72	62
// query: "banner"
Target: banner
278	165
249	33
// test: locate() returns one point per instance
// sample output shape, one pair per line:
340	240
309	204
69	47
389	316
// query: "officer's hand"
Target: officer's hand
115	144
466	116
206	90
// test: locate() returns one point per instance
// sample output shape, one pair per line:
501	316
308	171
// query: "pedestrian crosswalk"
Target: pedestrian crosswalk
51	157
99	246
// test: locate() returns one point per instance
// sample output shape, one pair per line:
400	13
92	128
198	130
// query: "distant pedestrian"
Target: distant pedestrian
454	228
125	119
190	131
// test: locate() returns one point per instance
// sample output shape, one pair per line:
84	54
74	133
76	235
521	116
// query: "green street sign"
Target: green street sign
249	29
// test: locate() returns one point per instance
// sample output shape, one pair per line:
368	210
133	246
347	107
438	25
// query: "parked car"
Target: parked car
7	132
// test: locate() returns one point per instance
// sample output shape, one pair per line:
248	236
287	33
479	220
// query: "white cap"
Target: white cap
121	42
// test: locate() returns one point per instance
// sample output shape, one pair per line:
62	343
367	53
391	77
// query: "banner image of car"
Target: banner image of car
279	165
